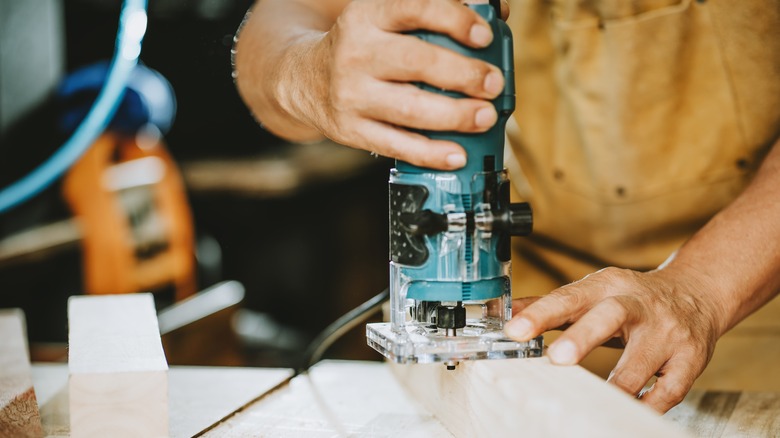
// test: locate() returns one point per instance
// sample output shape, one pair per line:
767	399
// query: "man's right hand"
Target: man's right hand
353	82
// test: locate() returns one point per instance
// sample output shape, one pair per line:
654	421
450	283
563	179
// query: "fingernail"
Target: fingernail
494	83
480	35
456	161
485	117
562	352
520	329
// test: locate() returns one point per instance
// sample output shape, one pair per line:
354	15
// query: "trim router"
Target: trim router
450	249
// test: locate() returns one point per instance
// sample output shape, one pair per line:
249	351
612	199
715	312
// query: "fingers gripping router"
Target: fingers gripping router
450	286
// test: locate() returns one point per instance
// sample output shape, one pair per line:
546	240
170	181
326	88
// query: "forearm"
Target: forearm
737	254
274	60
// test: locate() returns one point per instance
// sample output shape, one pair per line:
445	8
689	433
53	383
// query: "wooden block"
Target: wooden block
529	397
118	373
19	415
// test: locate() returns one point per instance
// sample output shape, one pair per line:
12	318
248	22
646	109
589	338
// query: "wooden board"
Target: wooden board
336	399
529	396
203	396
361	399
118	373
199	397
715	414
19	415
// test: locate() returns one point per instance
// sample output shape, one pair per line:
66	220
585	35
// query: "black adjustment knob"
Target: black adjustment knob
423	223
521	221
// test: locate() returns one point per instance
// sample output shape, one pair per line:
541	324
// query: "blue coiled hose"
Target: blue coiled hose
132	28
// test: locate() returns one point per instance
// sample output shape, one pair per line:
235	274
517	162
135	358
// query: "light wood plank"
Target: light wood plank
362	399
335	399
199	397
19	415
749	417
118	373
715	414
687	414
530	397
708	413
203	396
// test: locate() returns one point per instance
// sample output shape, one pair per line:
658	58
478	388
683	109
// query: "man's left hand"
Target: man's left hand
667	319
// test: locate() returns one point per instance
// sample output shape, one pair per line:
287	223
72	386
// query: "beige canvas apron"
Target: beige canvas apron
637	121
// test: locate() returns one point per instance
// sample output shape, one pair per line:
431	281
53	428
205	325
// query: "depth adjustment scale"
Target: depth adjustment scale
450	250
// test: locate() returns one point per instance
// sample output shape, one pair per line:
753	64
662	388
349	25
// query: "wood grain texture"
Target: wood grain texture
118	373
203	396
335	399
360	399
199	397
715	414
530	397
19	415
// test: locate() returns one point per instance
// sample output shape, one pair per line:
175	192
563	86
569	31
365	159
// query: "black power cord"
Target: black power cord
337	328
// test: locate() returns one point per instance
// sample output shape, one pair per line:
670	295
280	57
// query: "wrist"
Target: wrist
266	79
706	292
298	85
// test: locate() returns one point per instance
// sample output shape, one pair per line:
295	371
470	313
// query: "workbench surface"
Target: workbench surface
341	398
198	397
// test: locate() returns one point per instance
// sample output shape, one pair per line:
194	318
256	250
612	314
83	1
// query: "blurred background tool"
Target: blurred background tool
126	192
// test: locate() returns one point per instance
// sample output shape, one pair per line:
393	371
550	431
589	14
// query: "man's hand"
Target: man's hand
664	318
370	67
353	83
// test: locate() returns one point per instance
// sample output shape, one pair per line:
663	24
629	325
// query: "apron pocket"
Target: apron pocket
646	104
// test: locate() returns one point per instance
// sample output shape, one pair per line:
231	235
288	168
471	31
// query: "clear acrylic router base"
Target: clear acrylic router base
418	344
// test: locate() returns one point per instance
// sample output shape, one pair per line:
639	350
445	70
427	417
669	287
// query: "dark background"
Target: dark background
304	258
